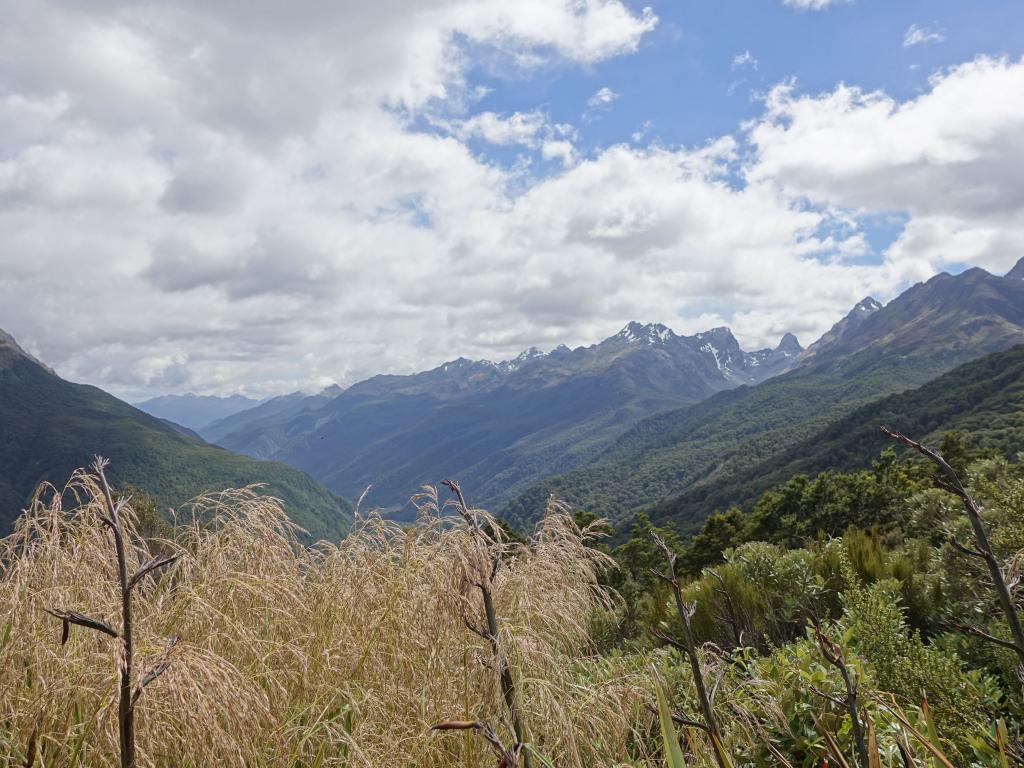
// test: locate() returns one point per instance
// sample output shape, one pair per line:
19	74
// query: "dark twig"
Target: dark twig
72	617
689	647
973	631
152	565
732	616
965	550
833	654
508	757
128	694
487	543
680	719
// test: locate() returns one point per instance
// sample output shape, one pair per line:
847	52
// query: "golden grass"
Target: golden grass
338	655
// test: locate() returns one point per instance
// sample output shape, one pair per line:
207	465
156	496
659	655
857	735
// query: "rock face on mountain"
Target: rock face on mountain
841	331
932	326
1017	273
498	425
195	411
50	427
874	352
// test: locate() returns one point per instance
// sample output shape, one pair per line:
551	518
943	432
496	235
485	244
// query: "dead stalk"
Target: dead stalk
127	695
689	647
833	654
487	543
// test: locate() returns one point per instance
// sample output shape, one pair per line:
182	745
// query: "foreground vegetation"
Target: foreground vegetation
844	619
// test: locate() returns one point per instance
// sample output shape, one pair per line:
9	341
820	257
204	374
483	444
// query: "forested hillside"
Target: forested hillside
984	398
51	427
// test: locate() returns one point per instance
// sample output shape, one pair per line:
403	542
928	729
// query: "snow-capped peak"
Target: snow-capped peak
652	333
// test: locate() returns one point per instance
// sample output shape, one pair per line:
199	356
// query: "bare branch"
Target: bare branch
73	617
680	719
669	640
505	675
974	631
508	756
161	666
833	654
965	550
834	699
152	565
475	629
983	547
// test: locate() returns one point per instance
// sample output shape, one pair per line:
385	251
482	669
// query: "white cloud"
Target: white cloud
517	128
921	35
602	98
952	159
559	149
745	59
813	5
224	196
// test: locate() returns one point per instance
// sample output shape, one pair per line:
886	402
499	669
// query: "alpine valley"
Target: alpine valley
646	420
498	427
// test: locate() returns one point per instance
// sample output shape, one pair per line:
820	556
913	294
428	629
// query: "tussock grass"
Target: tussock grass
338	655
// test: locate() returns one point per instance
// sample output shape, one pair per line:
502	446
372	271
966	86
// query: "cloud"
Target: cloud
743	60
236	197
813	5
951	159
921	35
517	128
602	98
559	149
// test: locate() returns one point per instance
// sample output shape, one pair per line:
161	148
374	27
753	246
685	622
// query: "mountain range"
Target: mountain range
684	463
52	426
195	411
647	420
501	426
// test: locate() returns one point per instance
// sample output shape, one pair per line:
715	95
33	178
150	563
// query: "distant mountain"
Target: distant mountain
51	427
841	331
269	425
1017	273
932	327
195	411
498	426
926	331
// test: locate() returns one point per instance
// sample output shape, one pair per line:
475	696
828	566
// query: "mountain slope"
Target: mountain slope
195	411
929	329
51	427
983	398
500	426
260	431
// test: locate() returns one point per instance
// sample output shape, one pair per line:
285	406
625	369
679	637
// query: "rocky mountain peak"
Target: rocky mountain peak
720	337
846	327
10	348
6	340
789	345
1017	273
866	305
651	333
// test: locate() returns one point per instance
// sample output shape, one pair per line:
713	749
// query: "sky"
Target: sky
256	197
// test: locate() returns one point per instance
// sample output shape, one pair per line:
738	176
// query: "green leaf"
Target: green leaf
673	753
